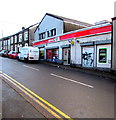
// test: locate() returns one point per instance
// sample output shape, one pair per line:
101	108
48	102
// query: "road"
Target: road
75	94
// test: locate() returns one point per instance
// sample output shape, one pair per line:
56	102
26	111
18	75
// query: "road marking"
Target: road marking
71	80
44	101
31	68
37	101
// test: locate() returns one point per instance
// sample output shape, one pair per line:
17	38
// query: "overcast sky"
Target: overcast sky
14	14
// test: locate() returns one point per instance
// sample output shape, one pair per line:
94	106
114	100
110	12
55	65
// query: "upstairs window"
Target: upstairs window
51	33
26	36
42	36
20	37
11	40
15	38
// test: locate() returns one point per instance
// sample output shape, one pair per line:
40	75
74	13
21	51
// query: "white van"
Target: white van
29	53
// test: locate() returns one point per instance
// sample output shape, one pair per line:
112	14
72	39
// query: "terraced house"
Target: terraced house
15	42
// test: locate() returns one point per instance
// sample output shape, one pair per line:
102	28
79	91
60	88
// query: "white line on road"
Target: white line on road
90	86
31	67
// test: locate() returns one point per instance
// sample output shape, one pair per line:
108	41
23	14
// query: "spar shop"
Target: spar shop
87	47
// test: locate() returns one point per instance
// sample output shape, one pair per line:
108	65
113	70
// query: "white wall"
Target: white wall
108	60
47	24
36	35
77	53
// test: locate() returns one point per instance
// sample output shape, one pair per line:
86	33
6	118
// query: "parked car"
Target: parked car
4	53
29	54
12	54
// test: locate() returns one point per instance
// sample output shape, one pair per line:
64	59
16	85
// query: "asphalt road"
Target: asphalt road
78	94
14	106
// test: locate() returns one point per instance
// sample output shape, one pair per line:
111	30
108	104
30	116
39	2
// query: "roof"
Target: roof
66	20
7	37
70	20
114	18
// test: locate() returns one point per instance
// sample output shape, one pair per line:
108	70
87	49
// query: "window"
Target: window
20	37
0	45
11	40
15	39
4	43
42	36
25	36
48	33
53	32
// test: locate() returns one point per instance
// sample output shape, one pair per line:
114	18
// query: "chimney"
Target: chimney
23	28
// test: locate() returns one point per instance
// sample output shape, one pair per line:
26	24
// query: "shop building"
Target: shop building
86	47
54	25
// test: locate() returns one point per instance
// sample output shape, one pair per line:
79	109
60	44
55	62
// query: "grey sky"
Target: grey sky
17	13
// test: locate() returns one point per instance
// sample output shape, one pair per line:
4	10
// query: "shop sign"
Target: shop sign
103	55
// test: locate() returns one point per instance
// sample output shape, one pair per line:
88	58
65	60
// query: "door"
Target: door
87	56
66	56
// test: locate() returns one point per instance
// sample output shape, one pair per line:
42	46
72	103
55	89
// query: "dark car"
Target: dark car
4	53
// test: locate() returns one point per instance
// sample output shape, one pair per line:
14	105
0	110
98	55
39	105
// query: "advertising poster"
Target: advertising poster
103	55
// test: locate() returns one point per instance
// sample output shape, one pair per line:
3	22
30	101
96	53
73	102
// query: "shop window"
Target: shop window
103	55
49	54
55	53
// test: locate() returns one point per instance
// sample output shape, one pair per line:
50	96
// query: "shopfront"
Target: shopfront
88	56
104	56
66	56
52	54
41	53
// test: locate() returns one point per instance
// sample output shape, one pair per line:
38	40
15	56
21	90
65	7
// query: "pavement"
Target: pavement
101	73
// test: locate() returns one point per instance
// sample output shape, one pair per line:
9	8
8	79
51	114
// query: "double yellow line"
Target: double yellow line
37	99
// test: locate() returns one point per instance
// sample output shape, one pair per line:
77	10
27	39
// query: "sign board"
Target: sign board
103	55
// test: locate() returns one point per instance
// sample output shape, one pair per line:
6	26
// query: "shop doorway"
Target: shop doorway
66	56
41	53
